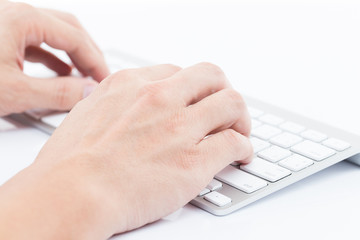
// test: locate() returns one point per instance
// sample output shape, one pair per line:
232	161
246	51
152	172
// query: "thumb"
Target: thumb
60	93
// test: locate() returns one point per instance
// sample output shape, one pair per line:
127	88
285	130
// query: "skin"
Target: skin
23	29
142	145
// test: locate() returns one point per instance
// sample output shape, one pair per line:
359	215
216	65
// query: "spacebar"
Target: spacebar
240	179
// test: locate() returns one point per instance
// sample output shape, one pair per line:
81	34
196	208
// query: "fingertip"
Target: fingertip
59	93
89	87
247	150
103	73
246	160
99	72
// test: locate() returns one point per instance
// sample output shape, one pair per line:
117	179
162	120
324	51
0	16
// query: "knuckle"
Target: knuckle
61	96
120	76
82	38
72	19
172	68
216	73
235	99
212	68
14	104
23	7
234	95
232	137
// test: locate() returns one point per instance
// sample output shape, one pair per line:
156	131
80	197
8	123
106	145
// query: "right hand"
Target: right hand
137	149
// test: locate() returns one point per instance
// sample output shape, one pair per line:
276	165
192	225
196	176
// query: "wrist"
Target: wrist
57	202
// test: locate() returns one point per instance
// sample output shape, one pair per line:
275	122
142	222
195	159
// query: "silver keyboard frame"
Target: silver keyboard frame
241	199
27	120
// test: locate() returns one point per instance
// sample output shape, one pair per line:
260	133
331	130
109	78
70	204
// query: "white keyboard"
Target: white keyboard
287	148
284	152
280	148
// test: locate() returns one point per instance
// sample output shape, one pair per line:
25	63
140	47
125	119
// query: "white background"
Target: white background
300	55
279	51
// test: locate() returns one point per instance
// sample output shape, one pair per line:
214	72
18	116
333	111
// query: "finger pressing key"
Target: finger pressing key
221	110
194	83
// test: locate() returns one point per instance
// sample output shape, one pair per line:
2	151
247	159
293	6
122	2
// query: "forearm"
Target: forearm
52	204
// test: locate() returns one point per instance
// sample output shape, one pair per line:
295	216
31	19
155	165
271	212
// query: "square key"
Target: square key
217	199
296	162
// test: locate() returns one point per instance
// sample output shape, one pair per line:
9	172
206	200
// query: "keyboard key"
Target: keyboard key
266	170
296	162
314	135
271	119
217	199
258	144
274	154
203	192
240	179
54	120
286	140
254	113
313	150
255	123
265	132
214	185
292	127
336	144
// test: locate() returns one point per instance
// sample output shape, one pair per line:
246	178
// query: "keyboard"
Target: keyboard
287	148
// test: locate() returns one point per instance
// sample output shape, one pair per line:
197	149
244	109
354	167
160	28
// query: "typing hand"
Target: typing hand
132	152
22	29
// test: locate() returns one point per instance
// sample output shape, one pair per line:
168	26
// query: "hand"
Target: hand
23	28
142	145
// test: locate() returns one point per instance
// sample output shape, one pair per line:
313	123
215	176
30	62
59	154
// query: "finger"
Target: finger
37	54
219	111
70	19
61	93
194	83
224	148
61	35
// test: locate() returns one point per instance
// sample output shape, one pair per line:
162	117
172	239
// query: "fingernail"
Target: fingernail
88	90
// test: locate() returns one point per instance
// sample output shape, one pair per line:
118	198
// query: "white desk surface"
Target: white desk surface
300	56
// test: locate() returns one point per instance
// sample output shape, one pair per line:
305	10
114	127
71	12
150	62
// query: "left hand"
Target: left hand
23	28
